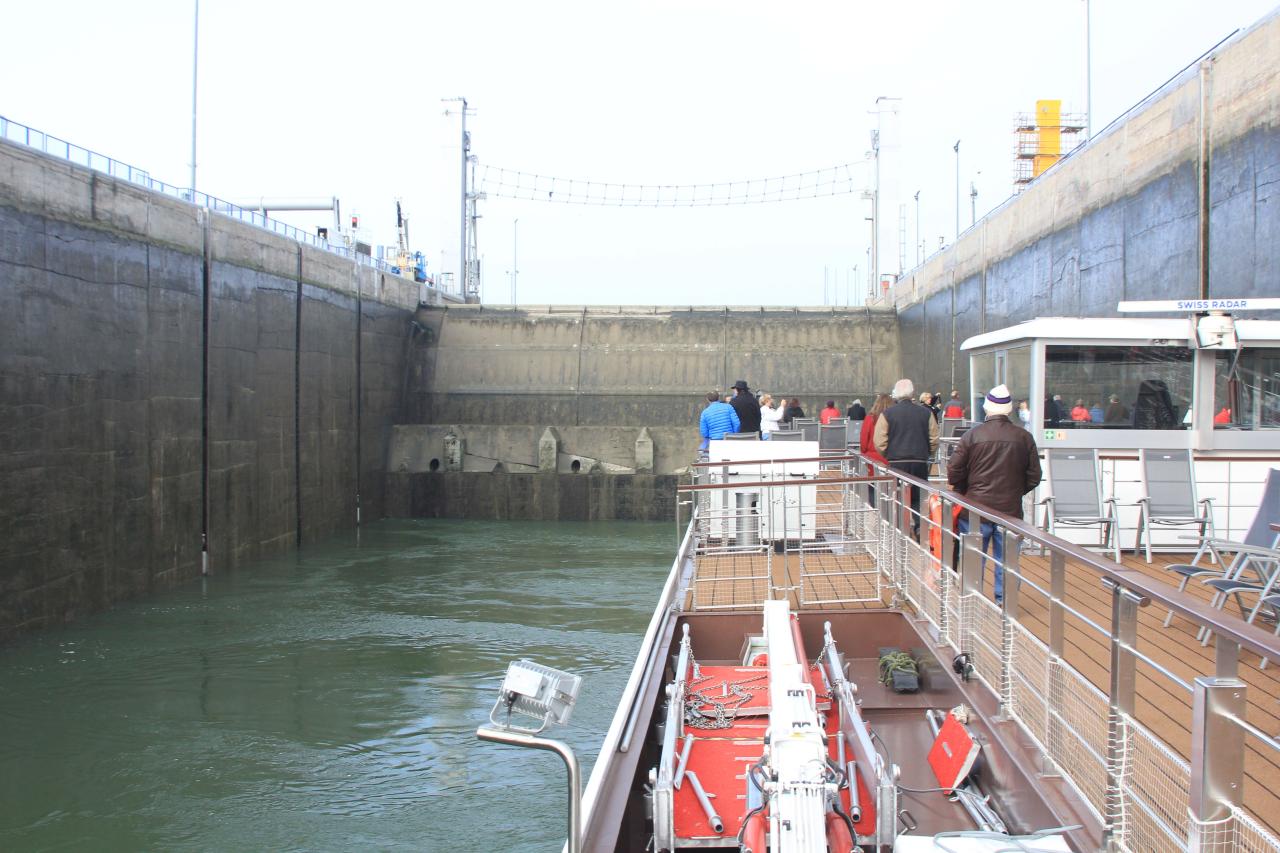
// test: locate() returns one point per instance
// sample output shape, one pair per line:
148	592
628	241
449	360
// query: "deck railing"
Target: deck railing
1169	745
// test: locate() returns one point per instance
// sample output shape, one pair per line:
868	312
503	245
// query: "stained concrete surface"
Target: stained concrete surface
102	331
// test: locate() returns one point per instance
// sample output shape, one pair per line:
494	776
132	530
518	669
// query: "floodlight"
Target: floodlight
540	692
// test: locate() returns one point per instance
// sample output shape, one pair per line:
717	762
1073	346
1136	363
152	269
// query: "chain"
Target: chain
725	709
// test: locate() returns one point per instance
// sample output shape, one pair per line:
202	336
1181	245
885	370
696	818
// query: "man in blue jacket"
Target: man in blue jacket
717	419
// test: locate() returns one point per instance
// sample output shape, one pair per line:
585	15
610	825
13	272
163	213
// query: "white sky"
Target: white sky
320	98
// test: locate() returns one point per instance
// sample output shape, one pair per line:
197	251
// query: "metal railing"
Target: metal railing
1150	732
1154	741
16	132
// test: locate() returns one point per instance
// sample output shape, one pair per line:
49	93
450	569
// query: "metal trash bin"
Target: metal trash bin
747	518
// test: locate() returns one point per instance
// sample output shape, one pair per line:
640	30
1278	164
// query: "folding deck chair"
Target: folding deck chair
1075	477
1169	498
1258	536
786	435
1250	554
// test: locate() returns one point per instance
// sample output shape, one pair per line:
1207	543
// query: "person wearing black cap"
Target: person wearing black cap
747	407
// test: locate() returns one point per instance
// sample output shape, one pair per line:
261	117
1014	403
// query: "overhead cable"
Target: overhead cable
510	183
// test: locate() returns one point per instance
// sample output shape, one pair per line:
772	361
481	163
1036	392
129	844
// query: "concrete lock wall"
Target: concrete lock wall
597	375
1120	219
116	435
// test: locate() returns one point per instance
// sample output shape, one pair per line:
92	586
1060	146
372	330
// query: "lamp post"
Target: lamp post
515	254
957	150
1088	71
919	242
195	66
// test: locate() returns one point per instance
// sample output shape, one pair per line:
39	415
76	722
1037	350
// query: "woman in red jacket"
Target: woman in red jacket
866	446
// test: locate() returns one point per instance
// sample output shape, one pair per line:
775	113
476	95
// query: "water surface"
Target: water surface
327	700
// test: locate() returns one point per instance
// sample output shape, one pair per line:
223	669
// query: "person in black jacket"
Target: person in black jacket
747	407
792	411
906	435
994	465
856	411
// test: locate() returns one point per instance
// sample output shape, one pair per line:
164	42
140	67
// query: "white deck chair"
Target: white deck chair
1075	478
1169	497
1232	556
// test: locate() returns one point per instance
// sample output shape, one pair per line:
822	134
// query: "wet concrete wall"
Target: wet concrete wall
534	497
159	365
650	366
498	377
1121	219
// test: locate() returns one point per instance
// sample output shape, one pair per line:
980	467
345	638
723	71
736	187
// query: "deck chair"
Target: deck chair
1169	498
949	426
786	435
831	440
852	433
810	430
1258	536
742	436
1075	477
1264	563
1272	601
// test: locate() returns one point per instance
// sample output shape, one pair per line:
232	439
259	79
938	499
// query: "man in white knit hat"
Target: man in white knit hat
994	465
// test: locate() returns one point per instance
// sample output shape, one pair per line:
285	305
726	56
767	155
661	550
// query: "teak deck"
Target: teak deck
1162	705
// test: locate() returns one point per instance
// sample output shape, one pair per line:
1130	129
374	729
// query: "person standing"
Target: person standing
770	417
1116	413
906	434
866	440
747	407
994	465
717	419
856	411
825	416
792	411
955	408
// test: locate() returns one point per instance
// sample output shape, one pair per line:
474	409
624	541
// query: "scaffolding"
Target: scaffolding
1042	139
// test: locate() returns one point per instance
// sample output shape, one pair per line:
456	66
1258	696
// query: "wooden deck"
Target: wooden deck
728	581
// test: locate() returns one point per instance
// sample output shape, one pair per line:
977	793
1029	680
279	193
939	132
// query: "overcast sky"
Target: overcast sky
320	98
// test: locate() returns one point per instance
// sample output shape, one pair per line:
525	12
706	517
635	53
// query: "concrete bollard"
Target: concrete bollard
455	450
644	452
548	450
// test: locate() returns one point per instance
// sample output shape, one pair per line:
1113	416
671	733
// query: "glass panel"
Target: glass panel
1250	399
1018	378
982	369
1117	387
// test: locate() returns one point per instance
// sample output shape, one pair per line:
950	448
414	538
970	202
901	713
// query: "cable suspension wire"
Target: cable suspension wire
509	183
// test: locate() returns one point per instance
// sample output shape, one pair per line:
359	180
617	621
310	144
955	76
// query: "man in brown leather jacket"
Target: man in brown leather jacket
994	465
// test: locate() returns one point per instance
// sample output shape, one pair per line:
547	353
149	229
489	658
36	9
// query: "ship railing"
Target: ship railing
46	143
762	530
1170	746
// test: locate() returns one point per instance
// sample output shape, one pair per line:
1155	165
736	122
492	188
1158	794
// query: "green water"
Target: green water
327	700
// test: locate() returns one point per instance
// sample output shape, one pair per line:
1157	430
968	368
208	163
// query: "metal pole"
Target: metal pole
1088	70
957	150
919	242
875	212
570	762
1123	693
973	203
195	66
1217	754
515	254
462	238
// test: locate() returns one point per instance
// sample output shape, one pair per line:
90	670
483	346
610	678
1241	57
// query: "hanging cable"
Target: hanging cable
512	184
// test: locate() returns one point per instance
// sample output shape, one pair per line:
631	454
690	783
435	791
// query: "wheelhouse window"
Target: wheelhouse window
1117	387
1248	396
